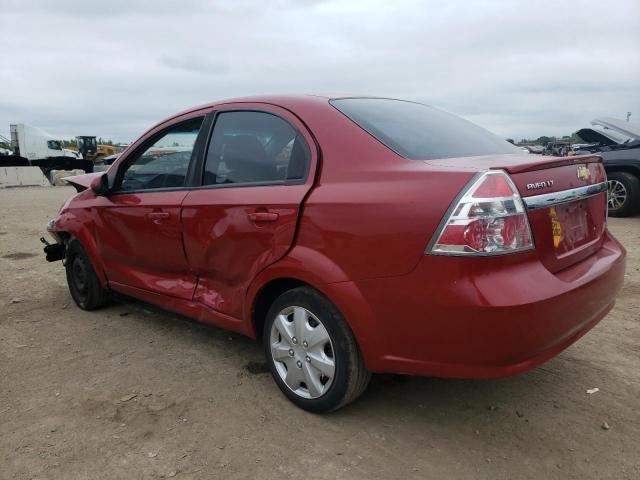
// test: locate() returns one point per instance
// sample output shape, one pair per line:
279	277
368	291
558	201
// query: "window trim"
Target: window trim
201	162
145	145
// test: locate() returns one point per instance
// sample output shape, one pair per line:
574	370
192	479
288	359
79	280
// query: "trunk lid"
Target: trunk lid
565	199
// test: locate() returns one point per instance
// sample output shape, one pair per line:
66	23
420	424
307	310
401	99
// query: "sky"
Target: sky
518	68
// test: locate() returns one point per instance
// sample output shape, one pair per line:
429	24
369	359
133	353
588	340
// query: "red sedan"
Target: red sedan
353	235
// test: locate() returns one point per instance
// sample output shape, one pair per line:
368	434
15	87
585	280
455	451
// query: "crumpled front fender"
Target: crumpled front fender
78	223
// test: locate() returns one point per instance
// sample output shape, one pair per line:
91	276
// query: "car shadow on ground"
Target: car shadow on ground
425	397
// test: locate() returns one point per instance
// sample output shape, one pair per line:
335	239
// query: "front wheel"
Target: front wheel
312	353
623	194
84	284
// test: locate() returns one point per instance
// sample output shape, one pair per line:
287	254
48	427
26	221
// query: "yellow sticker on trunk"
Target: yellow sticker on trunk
556	227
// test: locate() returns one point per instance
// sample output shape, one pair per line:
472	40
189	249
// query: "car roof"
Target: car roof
280	100
288	101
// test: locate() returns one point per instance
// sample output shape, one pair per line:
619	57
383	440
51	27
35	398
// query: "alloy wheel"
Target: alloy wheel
302	352
617	194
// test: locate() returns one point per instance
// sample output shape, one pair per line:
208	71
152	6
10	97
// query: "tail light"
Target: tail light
489	219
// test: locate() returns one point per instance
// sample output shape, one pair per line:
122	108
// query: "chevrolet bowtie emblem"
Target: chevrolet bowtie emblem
584	173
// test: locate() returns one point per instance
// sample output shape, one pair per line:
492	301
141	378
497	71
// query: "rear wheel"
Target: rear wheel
623	194
312	353
84	284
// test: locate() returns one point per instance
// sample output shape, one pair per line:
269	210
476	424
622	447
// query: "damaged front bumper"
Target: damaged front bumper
53	251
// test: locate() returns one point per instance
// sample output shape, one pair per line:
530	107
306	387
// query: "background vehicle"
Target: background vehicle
536	149
353	235
558	148
32	146
106	163
110	159
91	150
618	143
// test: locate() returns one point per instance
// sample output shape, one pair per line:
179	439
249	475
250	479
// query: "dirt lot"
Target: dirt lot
134	392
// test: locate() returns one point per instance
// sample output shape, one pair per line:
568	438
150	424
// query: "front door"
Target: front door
138	225
257	170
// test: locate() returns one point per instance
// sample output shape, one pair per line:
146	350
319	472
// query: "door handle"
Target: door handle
157	216
263	216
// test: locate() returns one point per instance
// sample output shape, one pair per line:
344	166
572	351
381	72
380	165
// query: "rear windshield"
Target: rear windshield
419	132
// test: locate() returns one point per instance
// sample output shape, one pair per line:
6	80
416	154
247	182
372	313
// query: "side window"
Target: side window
164	164
254	147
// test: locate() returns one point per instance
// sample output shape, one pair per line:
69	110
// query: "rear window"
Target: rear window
419	132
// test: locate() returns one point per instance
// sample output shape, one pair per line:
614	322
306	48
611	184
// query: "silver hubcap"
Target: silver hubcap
617	194
302	352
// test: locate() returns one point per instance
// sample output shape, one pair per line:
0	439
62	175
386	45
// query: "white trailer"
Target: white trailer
34	147
35	144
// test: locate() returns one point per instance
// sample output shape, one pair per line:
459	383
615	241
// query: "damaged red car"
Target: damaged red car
352	236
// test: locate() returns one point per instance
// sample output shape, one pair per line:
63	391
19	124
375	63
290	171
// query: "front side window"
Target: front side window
164	164
420	132
255	147
54	145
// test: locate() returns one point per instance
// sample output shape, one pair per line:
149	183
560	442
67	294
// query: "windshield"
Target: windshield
420	132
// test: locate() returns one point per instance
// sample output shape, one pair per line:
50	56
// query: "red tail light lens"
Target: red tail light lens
493	186
489	219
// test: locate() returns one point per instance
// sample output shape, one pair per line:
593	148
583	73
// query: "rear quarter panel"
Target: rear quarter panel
622	160
379	225
371	212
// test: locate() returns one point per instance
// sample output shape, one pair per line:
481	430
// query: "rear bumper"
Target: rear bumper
480	317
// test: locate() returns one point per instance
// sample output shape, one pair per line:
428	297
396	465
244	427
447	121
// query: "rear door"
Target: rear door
257	169
138	225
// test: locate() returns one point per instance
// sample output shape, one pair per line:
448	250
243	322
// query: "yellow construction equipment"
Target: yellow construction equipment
91	150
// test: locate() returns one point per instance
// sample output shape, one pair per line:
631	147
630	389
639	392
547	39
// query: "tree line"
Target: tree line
573	138
74	143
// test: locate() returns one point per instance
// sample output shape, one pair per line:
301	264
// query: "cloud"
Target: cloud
194	63
518	68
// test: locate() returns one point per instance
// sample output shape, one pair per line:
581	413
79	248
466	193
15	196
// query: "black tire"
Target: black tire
631	184
84	284
351	375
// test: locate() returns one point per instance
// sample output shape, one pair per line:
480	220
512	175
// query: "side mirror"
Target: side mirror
100	185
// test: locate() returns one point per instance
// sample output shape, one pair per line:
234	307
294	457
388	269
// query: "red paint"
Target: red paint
357	230
139	238
227	248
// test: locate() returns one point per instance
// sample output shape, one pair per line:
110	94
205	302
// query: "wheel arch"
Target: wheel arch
632	169
69	226
265	297
305	268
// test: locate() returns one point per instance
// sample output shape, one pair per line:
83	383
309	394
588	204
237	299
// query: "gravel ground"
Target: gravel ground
134	392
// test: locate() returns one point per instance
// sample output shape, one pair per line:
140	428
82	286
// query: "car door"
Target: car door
258	167
138	224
